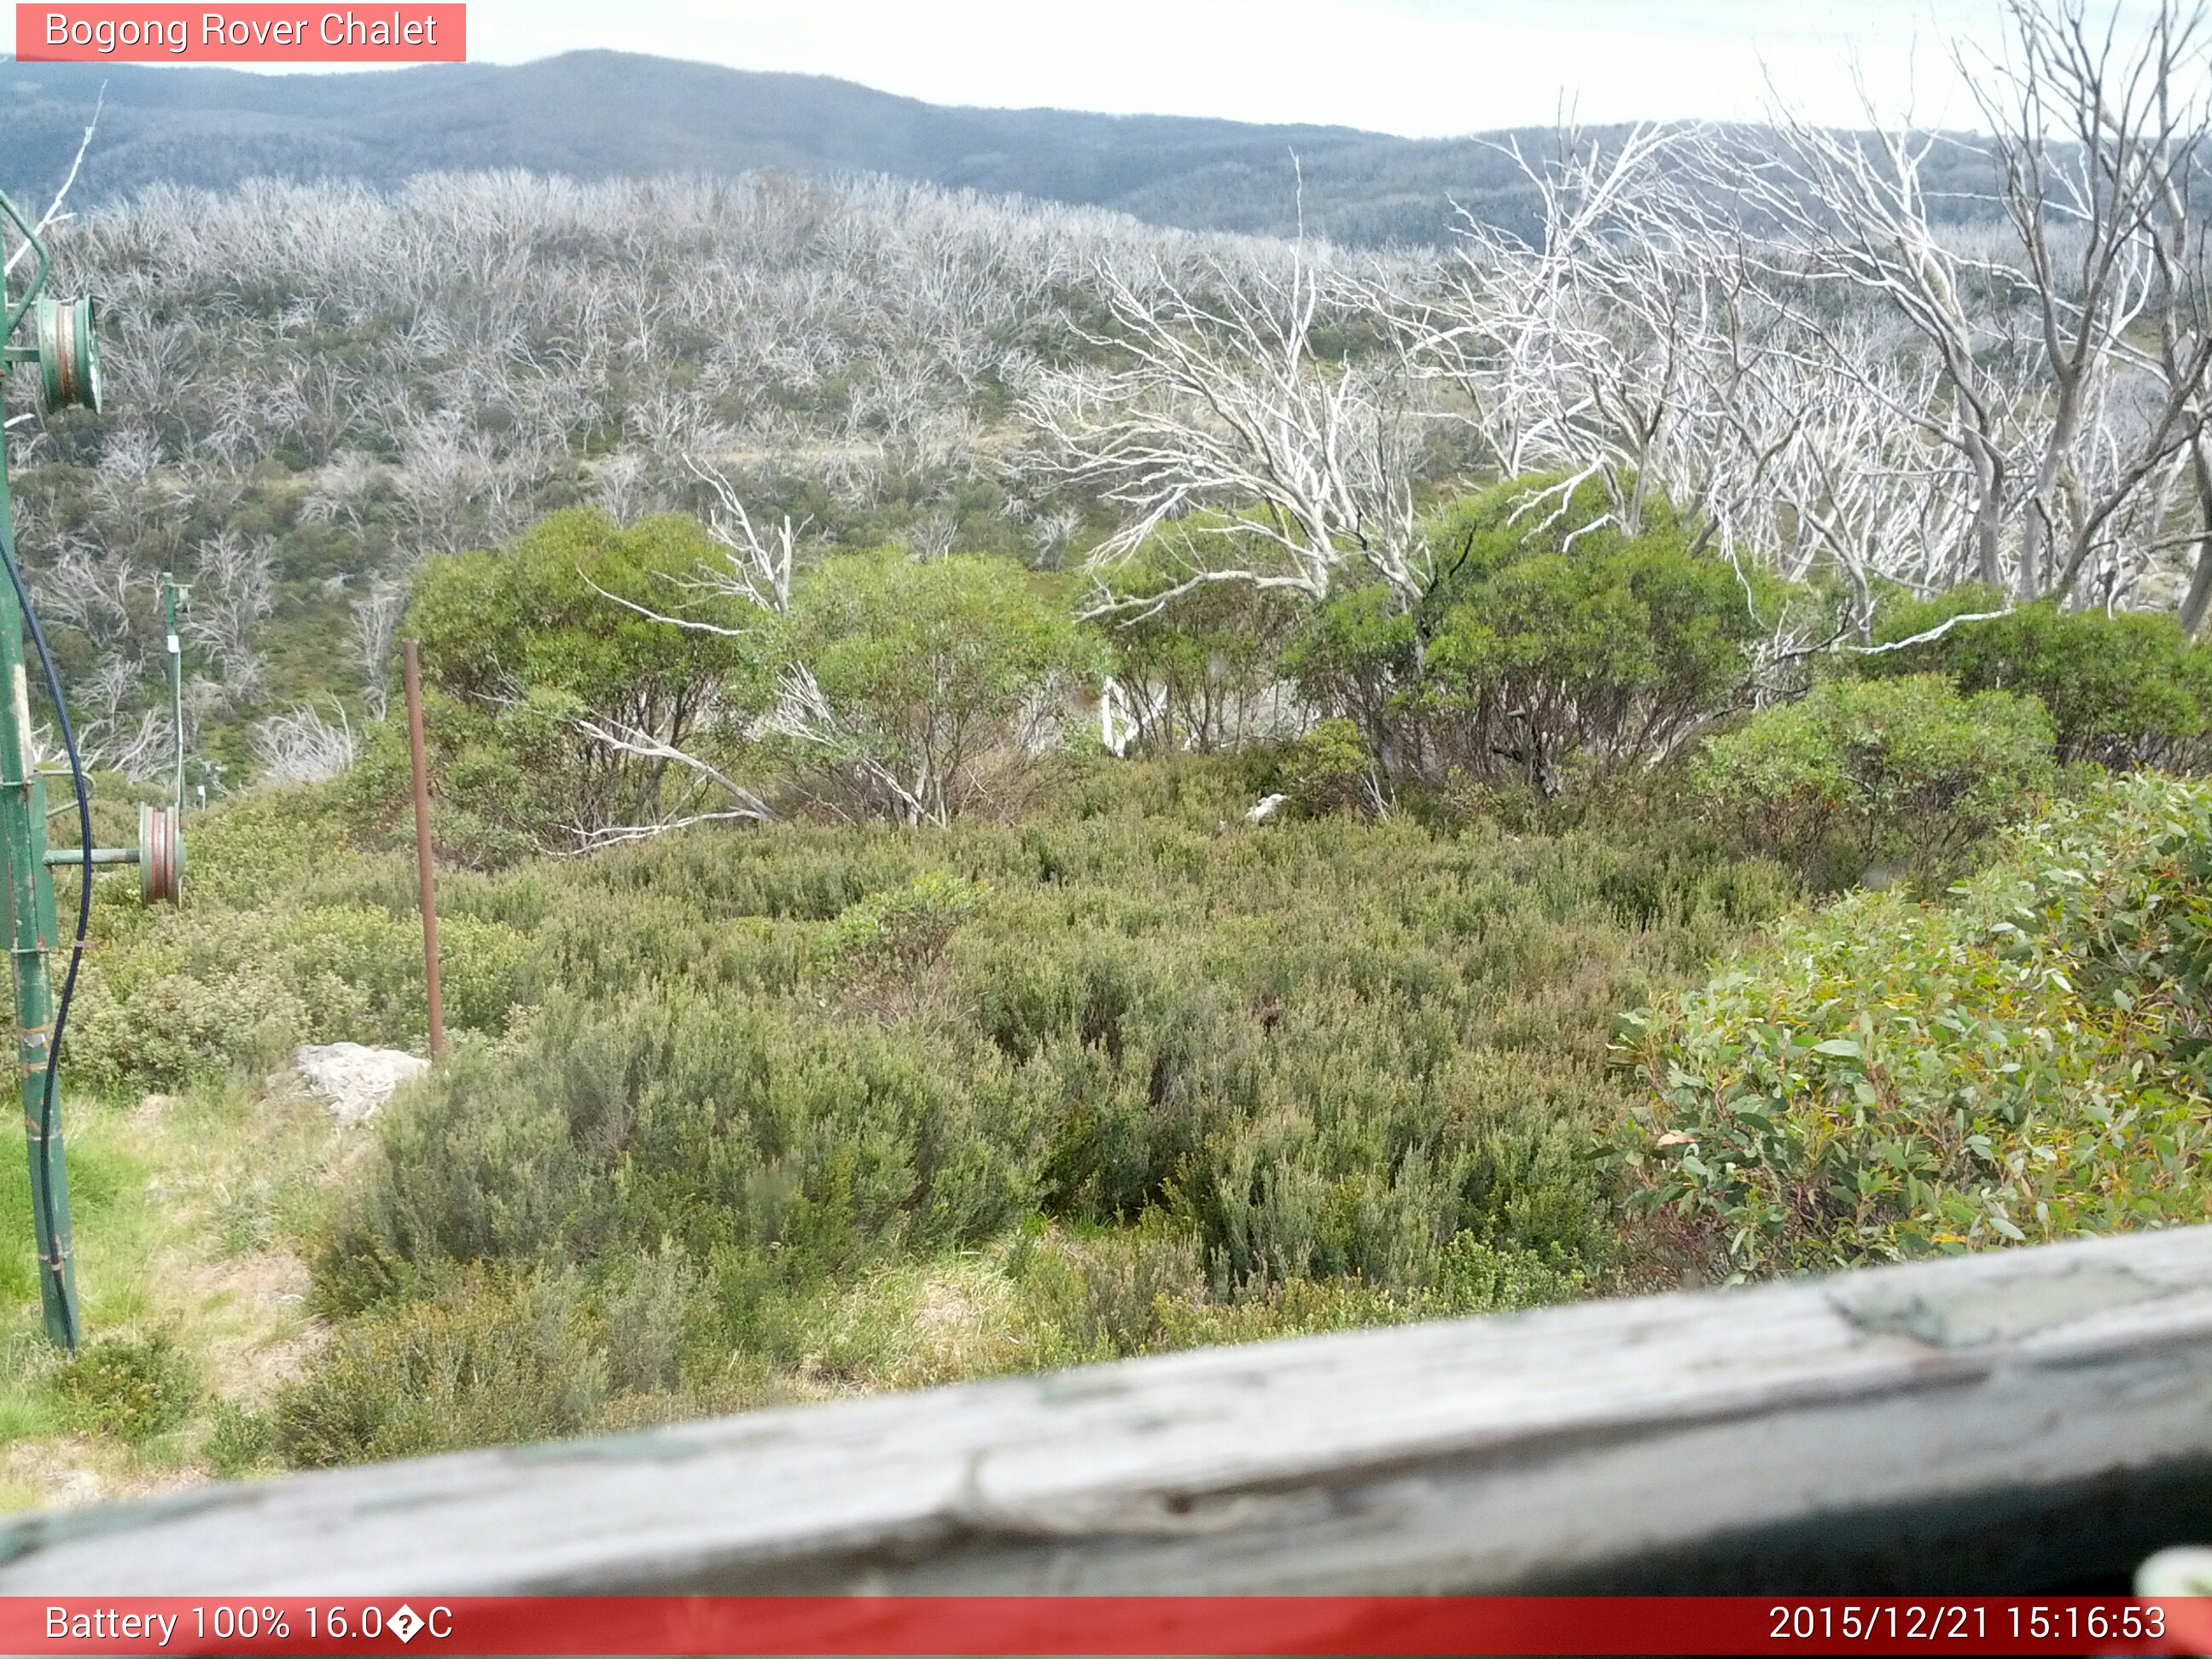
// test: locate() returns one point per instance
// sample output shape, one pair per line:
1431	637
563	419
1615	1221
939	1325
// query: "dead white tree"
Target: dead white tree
803	714
1852	487
617	485
2100	138
299	746
234	594
1223	399
1850	210
2059	417
756	575
1591	353
113	735
376	616
686	809
57	210
343	487
759	566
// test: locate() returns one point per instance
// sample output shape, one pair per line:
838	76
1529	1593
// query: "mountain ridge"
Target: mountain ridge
600	114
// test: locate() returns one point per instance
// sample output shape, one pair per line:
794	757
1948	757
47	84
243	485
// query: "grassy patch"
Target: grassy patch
189	1214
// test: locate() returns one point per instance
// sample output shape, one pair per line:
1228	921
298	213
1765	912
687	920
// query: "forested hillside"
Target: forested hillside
315	388
603	114
1013	786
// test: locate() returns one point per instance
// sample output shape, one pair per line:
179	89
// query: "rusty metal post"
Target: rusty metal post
423	865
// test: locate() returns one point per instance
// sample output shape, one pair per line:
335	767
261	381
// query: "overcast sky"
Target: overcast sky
1419	67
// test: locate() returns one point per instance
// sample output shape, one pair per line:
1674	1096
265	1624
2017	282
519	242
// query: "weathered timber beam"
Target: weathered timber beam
1880	1429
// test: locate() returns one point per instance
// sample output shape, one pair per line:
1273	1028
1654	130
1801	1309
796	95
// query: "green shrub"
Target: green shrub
1863	777
1476	1278
1358	655
169	1027
240	1439
649	1307
1330	771
287	935
132	1387
932	685
522	645
1549	646
1206	665
1891	1080
902	929
1145	1289
2125	689
894	688
1347	1072
200	992
492	1361
675	1116
1114	1295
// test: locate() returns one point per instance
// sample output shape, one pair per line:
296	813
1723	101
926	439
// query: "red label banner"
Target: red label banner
953	1625
259	34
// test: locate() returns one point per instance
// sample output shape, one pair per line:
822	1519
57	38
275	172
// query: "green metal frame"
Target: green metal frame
176	655
68	357
28	889
29	233
68	365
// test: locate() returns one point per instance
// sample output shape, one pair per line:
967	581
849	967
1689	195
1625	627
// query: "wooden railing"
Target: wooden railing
2032	1419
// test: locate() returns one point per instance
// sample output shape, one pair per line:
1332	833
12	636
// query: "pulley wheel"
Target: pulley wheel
161	856
68	353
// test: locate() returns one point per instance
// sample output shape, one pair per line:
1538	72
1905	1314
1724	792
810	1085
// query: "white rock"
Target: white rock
355	1079
1268	806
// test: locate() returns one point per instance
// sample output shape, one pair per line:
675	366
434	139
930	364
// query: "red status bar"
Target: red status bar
955	1624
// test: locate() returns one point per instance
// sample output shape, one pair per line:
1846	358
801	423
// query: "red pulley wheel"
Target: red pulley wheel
161	856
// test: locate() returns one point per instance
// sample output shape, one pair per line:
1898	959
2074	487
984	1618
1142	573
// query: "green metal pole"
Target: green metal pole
31	930
176	684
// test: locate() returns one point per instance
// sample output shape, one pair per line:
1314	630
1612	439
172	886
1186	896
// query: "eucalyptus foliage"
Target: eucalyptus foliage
2022	1061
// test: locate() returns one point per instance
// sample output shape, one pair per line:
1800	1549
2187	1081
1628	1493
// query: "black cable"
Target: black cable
58	1267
